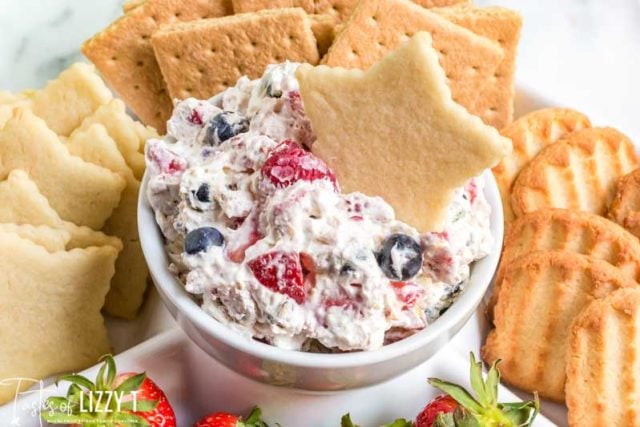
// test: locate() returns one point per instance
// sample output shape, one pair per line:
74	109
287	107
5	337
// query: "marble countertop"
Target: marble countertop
583	54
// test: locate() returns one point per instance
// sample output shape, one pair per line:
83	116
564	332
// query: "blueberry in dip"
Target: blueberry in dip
258	231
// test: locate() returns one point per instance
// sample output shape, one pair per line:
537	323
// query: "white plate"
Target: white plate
197	384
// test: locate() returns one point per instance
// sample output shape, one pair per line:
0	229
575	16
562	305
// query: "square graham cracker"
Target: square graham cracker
202	58
124	55
377	27
495	103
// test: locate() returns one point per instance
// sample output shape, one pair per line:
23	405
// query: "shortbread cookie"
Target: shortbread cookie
65	101
578	172
495	103
202	58
130	280
438	143
80	192
124	55
574	231
625	207
530	134
24	204
603	379
52	239
50	305
540	295
126	132
377	27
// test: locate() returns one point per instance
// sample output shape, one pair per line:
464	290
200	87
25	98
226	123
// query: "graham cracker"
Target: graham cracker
23	204
339	8
495	103
398	121
377	27
202	58
80	192
50	305
323	27
124	55
65	101
129	282
439	3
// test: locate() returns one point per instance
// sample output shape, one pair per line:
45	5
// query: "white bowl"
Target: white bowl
313	371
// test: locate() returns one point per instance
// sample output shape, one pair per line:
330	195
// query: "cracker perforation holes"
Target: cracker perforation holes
201	70
225	83
493	109
443	52
278	58
114	58
254	44
177	15
136	87
145	37
475	68
501	41
497	75
213	50
177	56
140	64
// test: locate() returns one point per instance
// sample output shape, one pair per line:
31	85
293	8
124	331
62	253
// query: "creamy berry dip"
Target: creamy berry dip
257	229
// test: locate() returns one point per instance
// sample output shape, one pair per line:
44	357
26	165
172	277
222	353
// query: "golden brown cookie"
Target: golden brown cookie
540	295
202	58
530	134
125	58
578	172
574	231
603	364
625	207
377	27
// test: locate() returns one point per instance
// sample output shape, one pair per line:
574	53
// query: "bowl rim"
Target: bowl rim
170	288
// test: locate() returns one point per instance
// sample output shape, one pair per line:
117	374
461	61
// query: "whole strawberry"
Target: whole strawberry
114	400
483	410
441	405
458	408
225	419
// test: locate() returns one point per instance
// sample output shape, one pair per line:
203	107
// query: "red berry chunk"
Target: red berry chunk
288	163
281	272
442	404
195	118
407	292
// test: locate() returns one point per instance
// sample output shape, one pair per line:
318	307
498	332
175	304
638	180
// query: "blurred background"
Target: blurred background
583	54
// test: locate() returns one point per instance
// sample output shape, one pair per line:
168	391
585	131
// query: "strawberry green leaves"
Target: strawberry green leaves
483	409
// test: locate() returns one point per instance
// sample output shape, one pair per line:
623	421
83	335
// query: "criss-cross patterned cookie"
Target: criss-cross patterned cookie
578	172
540	295
603	375
625	207
529	134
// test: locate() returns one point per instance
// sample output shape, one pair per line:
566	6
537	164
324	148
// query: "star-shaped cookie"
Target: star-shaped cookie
394	131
